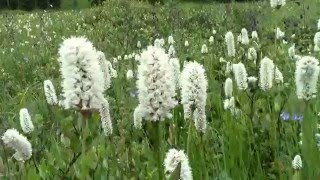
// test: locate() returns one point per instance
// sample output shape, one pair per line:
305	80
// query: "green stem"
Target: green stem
159	149
189	139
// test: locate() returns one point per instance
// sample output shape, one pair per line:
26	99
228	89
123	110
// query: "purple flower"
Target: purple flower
285	116
297	117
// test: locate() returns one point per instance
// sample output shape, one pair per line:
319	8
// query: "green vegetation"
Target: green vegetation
256	145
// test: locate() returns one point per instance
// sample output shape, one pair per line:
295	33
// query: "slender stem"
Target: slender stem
159	149
6	157
189	139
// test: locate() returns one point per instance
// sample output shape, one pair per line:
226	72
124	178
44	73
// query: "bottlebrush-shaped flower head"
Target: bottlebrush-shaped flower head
306	77
50	92
297	162
228	88
194	85
266	74
244	36
25	121
229	38
83	79
156	84
13	139
177	159
240	75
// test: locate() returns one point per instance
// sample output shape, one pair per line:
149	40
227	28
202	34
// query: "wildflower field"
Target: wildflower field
128	90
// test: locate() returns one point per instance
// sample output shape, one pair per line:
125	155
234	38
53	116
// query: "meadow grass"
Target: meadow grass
257	144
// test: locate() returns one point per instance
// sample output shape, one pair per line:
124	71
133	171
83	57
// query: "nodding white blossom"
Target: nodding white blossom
277	3
252	54
240	75
211	40
186	43
316	39
25	121
266	74
170	40
279	34
107	69
204	49
175	64
129	74
254	35
316	48
177	159
50	92
306	77
278	77
244	36
156	84
137	117
228	88
13	139
83	79
229	38
292	52
105	118
194	94
318	24
297	162
138	44
172	51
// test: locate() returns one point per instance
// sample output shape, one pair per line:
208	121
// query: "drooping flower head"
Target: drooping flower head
194	94
266	74
50	92
25	121
240	75
306	77
13	139
156	84
83	83
229	38
177	159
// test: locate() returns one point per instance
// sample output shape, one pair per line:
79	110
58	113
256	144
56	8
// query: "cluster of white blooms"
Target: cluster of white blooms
25	121
83	79
170	40
306	77
228	88
107	69
316	40
266	74
297	162
292	52
252	54
278	77
229	38
156	84
174	159
175	65
137	117
244	36
277	3
129	74
172	51
279	34
254	35
13	139
105	118
50	92
194	85
159	42
204	49
211	40
240	75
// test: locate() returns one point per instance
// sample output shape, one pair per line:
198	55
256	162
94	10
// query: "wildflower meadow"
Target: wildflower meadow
175	90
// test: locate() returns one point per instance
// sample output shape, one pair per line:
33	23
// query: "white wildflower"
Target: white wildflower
316	39
306	77
172	51
170	40
204	49
240	74
266	74
177	159
229	38
252	54
194	94
278	77
105	118
297	162
244	36
254	35
291	52
211	40
139	44
129	74
186	43
137	118
279	34
50	92
25	121
228	88
13	139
